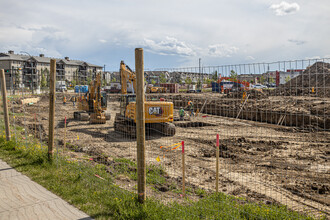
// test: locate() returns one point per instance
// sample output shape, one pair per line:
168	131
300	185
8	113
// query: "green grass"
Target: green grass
155	174
77	183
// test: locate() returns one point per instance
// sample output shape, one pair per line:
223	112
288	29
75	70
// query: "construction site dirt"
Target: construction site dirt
273	149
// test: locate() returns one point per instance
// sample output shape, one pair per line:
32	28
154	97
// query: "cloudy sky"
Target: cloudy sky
173	33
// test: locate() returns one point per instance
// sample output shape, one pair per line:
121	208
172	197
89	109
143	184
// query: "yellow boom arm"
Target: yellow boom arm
126	74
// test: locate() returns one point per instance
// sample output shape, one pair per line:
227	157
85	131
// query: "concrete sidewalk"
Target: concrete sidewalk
21	198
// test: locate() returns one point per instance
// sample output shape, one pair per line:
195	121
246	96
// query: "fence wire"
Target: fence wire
272	120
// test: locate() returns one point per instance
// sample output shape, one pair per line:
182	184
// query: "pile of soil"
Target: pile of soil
314	81
253	94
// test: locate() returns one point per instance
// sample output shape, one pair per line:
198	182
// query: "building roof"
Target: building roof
42	59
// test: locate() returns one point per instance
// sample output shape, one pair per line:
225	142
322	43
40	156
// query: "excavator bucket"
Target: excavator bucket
96	118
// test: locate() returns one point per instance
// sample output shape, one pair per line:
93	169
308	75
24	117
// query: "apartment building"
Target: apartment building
25	71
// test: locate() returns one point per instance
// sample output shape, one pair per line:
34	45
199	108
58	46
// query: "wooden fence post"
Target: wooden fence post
51	107
64	135
217	166
183	172
140	125
5	104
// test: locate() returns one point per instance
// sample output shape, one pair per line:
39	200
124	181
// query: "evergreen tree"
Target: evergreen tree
215	76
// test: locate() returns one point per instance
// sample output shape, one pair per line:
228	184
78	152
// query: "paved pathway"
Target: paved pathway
21	198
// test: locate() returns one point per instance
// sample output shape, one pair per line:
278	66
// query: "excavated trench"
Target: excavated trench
190	124
260	115
255	110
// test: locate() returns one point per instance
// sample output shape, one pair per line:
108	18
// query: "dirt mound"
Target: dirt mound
253	94
314	81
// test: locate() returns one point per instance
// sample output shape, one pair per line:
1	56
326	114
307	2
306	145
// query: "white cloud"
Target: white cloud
313	58
228	32
169	46
250	58
297	42
221	50
285	8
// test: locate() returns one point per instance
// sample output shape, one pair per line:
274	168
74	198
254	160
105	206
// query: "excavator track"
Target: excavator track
165	129
124	125
128	126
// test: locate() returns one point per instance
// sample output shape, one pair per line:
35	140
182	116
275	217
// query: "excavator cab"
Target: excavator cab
125	100
104	100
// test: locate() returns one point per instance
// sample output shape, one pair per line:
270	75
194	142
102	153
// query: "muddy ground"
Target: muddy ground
267	160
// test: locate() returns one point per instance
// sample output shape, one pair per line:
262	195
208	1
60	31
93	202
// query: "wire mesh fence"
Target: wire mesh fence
272	121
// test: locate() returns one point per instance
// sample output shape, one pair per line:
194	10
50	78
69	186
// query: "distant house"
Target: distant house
27	71
249	77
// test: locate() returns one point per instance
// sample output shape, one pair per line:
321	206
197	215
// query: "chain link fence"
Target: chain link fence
264	127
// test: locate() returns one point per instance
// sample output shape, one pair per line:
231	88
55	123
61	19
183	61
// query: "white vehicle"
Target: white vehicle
60	86
191	89
259	86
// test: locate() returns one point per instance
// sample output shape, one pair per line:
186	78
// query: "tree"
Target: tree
287	79
43	82
188	81
89	79
262	79
76	76
252	81
113	79
271	80
46	71
162	78
17	78
215	76
153	82
199	84
73	83
233	75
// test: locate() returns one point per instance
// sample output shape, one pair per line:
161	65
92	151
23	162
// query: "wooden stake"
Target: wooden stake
35	125
217	166
242	106
51	107
279	121
203	106
140	125
183	172
5	104
64	134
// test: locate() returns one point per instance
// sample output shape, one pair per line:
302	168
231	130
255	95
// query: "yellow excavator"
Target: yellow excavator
93	104
158	114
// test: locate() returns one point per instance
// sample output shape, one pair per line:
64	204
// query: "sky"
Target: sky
173	33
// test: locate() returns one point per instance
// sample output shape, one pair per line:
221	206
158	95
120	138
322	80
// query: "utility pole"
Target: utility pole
201	82
104	76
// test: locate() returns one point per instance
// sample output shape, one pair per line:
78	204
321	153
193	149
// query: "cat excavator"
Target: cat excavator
93	104
158	114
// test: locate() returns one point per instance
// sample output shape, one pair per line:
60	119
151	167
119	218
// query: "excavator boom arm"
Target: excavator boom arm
126	74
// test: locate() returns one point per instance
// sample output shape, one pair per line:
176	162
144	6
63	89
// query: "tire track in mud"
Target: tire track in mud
280	195
271	190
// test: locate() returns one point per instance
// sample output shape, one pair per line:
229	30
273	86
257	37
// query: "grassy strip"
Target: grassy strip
91	189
